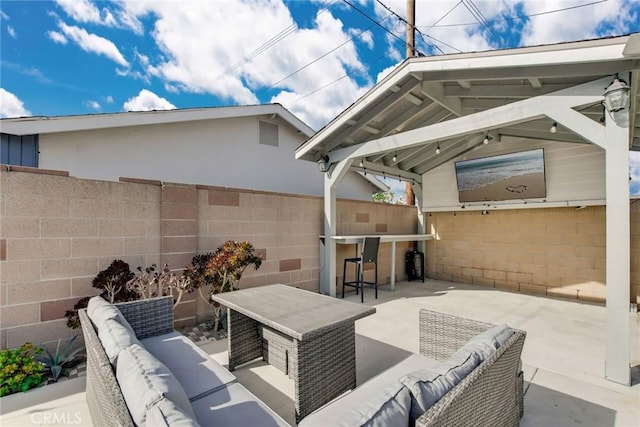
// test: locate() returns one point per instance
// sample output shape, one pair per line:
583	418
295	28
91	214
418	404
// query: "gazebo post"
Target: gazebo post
618	229
332	178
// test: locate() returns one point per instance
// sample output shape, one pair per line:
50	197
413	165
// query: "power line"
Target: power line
518	18
479	16
337	80
320	57
376	22
417	30
445	15
271	42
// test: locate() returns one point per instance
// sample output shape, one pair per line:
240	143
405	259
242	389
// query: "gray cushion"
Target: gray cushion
165	413
234	405
381	401
144	381
99	310
115	337
194	369
485	343
387	406
428	386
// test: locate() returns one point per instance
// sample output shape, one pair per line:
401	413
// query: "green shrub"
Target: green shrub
19	369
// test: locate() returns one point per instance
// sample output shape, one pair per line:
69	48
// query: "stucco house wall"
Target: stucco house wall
223	152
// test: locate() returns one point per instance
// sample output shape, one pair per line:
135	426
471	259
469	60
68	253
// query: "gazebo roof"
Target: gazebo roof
424	91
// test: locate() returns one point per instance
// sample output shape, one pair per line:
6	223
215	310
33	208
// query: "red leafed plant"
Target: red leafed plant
221	271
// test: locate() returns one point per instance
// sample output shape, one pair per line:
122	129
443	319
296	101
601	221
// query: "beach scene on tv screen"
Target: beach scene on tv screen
504	177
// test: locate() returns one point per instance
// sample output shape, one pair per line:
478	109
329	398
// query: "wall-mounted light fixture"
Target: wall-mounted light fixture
395	157
438	149
616	101
323	163
554	128
485	141
616	96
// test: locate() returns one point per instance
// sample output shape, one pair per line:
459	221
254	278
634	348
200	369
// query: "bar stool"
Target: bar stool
369	255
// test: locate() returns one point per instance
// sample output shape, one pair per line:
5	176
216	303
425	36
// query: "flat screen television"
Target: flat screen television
513	176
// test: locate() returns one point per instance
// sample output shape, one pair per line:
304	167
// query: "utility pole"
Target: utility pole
410	197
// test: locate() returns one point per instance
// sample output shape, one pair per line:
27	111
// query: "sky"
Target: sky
315	57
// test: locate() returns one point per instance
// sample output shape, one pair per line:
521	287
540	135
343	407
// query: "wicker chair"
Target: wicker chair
492	394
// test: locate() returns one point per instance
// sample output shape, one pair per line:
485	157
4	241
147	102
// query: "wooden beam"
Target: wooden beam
388	101
517	112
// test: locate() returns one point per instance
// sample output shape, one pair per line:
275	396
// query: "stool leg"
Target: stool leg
344	276
361	284
376	280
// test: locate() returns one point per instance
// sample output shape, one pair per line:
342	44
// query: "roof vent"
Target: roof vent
267	133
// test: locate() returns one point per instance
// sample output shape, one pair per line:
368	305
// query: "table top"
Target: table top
383	238
295	312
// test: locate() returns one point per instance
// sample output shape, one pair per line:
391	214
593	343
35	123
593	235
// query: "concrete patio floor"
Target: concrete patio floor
563	358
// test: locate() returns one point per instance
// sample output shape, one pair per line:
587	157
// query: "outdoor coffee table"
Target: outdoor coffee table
308	336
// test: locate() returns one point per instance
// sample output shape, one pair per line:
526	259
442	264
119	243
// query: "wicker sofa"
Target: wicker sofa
468	374
141	372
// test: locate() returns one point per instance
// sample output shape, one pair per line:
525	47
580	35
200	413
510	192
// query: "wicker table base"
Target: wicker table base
273	323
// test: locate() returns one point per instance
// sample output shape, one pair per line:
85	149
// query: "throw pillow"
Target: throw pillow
100	310
114	338
144	380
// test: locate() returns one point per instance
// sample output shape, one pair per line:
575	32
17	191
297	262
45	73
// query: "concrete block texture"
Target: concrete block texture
558	252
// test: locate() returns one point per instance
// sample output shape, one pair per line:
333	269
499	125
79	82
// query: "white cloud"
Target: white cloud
11	31
85	11
206	59
109	99
93	104
4	15
80	10
93	43
147	101
384	73
11	106
57	37
574	24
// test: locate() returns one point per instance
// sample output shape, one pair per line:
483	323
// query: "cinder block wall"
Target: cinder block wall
374	218
57	232
555	252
